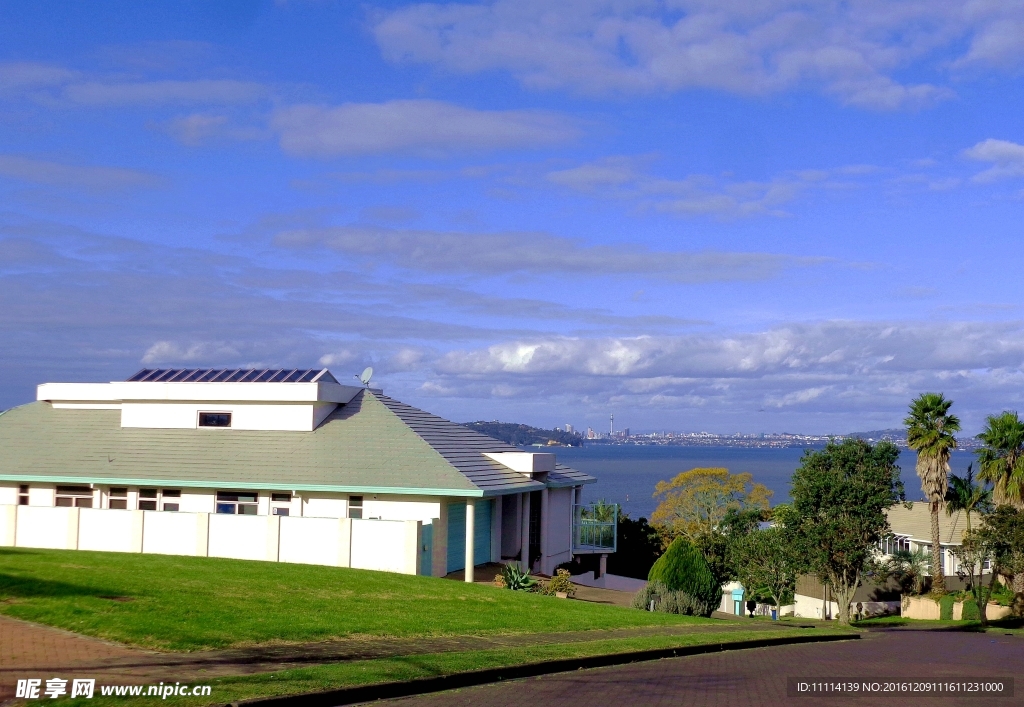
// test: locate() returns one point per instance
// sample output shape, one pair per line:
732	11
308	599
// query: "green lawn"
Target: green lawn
368	672
190	603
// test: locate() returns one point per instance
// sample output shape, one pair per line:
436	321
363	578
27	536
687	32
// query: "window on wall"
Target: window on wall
280	503
23	495
174	495
148	499
74	496
215	419
355	506
240	503
118	498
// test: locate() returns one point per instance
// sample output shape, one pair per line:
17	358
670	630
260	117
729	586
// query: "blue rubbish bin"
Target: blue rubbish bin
775	614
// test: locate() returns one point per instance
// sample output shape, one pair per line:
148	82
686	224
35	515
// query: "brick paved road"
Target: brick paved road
757	677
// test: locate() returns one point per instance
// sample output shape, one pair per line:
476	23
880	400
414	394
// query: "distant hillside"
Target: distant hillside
524	435
893	435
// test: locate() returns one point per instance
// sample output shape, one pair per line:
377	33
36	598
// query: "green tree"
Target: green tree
715	544
972	554
963	495
696	502
908	568
840	495
766	563
930	430
1002	458
1003	532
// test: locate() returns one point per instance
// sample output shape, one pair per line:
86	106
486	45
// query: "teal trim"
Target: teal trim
213	484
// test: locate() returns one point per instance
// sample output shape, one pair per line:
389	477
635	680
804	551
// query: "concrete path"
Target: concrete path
758	677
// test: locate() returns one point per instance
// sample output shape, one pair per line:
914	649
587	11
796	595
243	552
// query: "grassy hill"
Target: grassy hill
524	435
188	603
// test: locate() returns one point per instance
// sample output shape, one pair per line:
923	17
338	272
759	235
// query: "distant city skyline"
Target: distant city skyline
768	216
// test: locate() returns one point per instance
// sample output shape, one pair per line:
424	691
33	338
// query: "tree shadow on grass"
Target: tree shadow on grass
13	586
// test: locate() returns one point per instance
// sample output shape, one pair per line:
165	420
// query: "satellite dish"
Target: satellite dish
365	376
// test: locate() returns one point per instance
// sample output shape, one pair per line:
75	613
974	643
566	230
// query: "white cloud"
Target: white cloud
696	194
851	50
1006	158
835	370
65	175
422	126
149	93
28	75
171	352
502	253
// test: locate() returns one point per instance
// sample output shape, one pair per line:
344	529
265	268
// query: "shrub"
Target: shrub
516	579
669	602
683	569
559	583
946	602
971	612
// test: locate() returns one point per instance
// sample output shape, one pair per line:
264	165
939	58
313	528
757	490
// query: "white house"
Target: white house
910	529
280	465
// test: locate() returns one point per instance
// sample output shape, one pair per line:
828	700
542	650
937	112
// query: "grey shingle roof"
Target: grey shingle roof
916	523
371	444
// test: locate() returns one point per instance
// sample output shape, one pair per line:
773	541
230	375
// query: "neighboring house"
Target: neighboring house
910	529
284	465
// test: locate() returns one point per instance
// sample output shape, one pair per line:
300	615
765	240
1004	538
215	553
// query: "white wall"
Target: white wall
390	546
8	524
419	508
55	528
326	506
110	531
175	533
9	494
316	541
244	537
298	417
559	525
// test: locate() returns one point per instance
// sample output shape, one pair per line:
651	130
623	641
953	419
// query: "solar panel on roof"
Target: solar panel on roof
232	375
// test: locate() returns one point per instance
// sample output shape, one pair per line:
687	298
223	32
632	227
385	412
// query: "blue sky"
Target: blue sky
728	216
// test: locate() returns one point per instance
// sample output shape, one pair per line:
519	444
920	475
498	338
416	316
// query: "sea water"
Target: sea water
627	474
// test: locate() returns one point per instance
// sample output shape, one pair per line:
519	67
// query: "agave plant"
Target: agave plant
516	579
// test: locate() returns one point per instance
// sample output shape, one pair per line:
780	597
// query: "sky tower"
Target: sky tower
611	425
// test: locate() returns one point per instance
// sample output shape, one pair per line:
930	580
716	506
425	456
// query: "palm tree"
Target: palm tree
1001	460
908	569
930	430
964	495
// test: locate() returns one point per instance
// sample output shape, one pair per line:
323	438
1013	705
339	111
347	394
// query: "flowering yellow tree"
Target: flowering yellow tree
695	502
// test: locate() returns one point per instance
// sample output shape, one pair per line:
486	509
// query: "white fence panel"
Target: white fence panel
110	530
244	537
47	526
8	524
167	533
315	541
386	545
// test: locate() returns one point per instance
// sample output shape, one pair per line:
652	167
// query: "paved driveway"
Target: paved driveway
758	677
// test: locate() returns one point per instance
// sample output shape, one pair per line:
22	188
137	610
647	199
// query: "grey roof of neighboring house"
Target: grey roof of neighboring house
916	522
372	444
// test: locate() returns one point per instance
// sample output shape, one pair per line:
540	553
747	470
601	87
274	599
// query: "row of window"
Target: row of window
229	502
893	543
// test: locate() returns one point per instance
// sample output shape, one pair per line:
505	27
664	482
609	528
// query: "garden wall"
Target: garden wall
386	545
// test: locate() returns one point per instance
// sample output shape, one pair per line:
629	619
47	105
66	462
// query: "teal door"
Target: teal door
426	549
457	534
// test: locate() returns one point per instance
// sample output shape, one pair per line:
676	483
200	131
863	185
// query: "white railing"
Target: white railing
595	528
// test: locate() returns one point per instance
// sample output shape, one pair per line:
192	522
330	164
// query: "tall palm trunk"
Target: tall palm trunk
938	571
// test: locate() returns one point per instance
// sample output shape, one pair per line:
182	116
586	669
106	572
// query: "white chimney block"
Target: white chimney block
528	463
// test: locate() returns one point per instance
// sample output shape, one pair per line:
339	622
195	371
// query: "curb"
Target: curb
419	686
